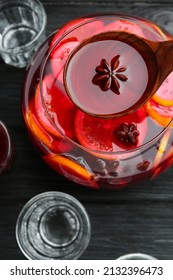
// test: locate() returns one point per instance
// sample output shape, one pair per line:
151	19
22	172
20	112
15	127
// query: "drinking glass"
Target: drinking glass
6	150
70	93
22	30
53	225
136	256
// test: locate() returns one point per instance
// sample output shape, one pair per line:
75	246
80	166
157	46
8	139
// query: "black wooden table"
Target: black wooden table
136	219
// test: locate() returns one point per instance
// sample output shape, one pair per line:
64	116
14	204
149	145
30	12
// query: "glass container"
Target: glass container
73	86
22	30
53	225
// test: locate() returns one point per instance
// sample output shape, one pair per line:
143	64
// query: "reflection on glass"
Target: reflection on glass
136	256
6	150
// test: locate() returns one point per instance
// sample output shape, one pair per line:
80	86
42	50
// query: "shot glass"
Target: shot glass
6	151
53	225
22	30
136	256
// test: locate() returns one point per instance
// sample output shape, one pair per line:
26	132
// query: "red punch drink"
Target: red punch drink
84	104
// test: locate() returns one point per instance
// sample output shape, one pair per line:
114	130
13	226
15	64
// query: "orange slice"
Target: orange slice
54	144
161	114
101	134
60	32
37	130
164	95
83	31
77	172
59	57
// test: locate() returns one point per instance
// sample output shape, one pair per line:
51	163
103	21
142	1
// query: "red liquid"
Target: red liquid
5	149
83	148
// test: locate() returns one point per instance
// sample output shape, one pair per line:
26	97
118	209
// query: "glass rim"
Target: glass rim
140	256
9	150
43	16
91	18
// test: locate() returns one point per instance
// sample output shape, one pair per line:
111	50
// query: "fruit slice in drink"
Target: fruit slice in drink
59	57
161	114
111	135
77	172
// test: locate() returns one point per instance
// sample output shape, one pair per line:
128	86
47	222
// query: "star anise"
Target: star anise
127	134
143	166
108	75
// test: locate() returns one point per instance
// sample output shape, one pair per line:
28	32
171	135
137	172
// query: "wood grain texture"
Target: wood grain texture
136	219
